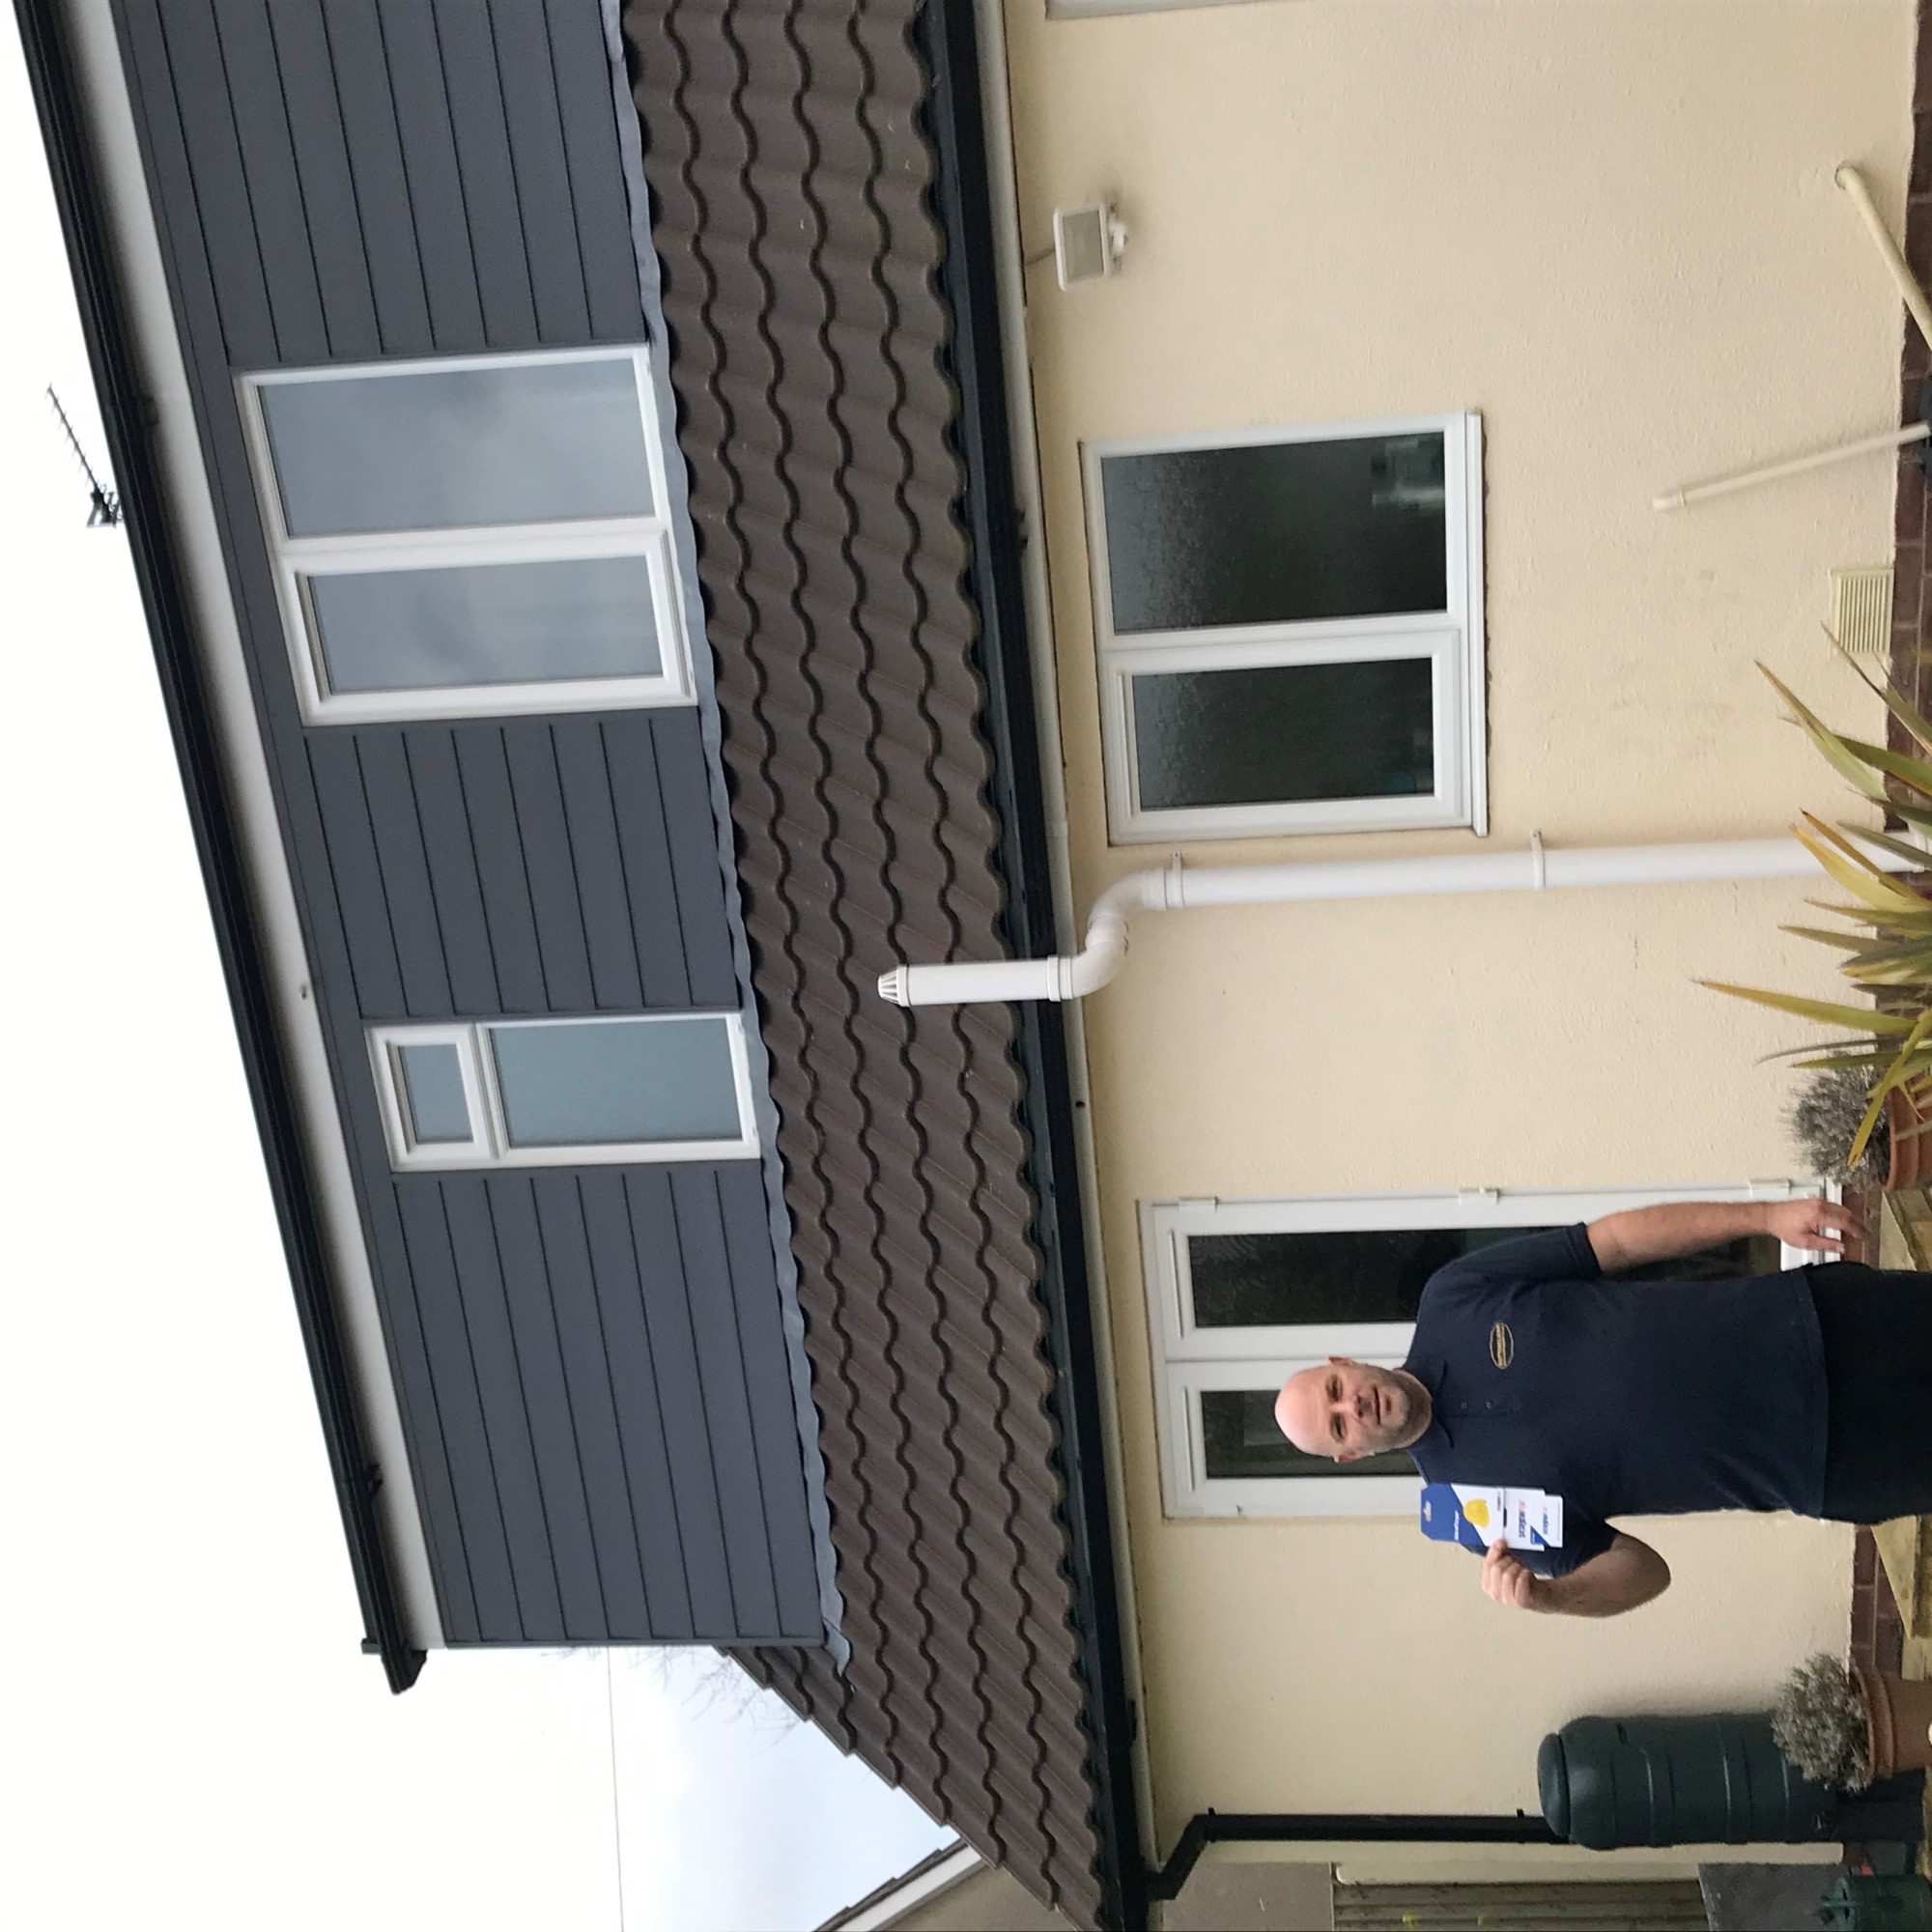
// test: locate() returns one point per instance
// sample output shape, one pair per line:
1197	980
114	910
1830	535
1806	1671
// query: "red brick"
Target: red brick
1909	504
1921	154
1919	237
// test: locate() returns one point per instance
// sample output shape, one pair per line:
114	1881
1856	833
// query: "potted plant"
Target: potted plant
1887	941
1845	1728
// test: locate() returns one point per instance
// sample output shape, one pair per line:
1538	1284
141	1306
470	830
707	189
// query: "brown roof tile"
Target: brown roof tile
788	180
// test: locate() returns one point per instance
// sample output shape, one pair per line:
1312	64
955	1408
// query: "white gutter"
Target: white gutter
1073	976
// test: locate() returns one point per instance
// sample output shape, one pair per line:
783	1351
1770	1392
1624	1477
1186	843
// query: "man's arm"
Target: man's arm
1626	1574
1661	1233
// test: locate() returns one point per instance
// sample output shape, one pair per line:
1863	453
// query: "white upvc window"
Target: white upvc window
1242	1294
469	536
1290	625
567	1093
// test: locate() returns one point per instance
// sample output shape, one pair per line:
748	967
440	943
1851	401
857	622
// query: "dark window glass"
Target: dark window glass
459	448
1276	533
1266	1281
490	623
1240	1438
431	1083
1285	733
610	1082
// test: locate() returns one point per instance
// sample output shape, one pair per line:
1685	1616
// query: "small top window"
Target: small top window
469	536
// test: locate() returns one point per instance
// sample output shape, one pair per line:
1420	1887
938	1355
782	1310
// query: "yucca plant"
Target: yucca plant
1888	938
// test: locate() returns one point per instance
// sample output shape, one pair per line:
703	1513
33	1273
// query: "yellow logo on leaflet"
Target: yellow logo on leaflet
1502	1345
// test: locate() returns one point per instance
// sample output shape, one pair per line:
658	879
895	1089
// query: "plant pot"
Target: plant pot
1899	1720
1911	1145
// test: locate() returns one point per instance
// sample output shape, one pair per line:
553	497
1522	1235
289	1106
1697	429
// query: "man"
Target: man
1531	1367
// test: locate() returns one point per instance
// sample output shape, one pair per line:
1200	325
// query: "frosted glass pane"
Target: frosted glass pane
431	1083
455	448
1283	733
608	1082
1276	533
496	623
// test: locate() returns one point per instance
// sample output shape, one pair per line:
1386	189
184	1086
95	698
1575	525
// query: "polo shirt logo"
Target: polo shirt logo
1502	1345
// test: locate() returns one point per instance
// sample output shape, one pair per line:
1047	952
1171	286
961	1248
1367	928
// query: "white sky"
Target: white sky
192	1735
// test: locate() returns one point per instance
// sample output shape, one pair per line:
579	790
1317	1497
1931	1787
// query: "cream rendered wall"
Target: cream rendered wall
1612	230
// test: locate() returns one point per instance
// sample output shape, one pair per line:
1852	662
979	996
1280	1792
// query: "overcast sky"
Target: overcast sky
192	1735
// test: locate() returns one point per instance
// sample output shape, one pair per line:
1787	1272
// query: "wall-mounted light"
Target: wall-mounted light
1088	243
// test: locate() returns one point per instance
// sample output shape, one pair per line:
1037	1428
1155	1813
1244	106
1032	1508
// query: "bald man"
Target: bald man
1533	1366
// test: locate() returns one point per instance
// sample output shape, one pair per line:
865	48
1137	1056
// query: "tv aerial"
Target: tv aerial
106	510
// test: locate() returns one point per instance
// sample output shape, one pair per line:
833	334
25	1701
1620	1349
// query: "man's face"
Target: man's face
1345	1410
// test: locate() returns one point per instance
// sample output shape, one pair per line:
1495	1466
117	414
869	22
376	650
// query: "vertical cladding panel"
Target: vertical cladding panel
632	767
485	773
261	126
434	175
204	194
449	845
334	221
560	1474
592	1389
444	1319
685	788
550	866
383	194
720	1368
532	119
475	98
755	1294
486	1287
590	822
664	1275
581	64
350	854
394	822
587	1405
641	1426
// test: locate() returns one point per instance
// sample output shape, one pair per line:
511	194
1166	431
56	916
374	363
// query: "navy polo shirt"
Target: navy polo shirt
1625	1398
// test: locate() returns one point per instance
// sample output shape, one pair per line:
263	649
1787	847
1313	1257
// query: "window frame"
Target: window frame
490	1145
1188	1359
1452	640
294	560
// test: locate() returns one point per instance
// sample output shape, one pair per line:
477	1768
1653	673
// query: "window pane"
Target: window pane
1285	733
451	449
1266	1281
608	1081
1263	1281
430	1078
496	623
1238	1437
1276	533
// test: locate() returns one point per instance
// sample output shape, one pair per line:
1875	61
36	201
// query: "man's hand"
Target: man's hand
1507	1581
1624	1575
1821	1225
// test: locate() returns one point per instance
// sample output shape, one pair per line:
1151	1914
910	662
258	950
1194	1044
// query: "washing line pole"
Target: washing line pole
1072	976
1853	182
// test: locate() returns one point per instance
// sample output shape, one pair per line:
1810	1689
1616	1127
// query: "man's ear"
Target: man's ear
1353	1456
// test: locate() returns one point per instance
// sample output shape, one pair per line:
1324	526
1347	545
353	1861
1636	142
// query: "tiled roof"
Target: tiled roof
789	177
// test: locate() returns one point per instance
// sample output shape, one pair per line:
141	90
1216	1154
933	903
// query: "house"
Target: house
640	545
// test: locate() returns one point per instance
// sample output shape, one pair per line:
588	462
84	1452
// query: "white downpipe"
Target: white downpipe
1174	887
1796	466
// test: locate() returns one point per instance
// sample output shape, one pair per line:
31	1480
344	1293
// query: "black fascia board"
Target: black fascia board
127	417
946	37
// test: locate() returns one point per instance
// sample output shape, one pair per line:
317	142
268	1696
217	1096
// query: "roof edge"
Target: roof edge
946	35
126	416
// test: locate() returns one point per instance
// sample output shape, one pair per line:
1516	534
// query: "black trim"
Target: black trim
945	35
1360	1827
128	416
